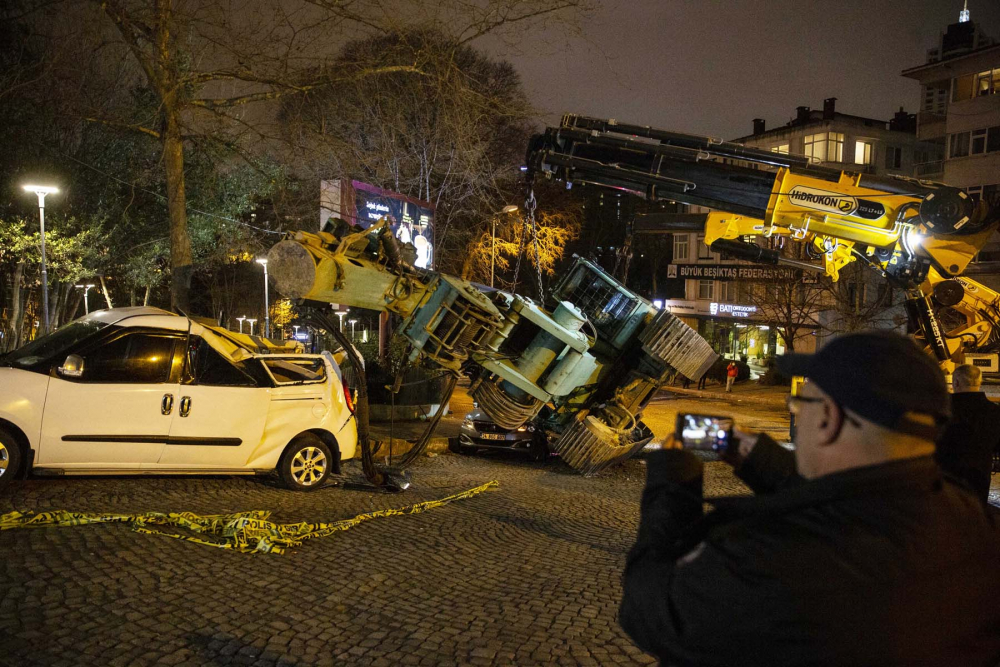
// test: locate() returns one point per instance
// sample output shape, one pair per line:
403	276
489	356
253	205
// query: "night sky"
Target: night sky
710	66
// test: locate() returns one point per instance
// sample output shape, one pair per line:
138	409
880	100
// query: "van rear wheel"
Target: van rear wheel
10	458
306	463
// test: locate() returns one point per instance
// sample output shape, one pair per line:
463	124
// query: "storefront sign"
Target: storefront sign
733	272
731	309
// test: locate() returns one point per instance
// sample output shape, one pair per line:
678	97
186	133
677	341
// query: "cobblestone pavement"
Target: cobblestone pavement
528	574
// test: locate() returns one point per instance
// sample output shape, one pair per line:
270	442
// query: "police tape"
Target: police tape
244	532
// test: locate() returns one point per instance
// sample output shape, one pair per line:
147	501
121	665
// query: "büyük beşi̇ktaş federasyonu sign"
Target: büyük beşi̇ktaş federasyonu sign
731	272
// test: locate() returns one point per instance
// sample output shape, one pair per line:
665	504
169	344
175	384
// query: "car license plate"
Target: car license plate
493	436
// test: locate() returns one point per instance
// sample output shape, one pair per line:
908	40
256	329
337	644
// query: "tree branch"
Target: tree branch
125	126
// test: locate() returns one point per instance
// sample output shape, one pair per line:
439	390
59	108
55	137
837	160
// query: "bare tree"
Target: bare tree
210	63
542	250
860	299
793	307
453	136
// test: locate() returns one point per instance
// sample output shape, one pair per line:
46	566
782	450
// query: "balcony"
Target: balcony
933	169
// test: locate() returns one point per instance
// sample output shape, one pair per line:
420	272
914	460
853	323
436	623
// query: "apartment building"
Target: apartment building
960	112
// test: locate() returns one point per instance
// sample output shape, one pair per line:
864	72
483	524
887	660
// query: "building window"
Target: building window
680	246
705	289
862	152
958	145
825	147
988	82
978	142
962	87
893	157
704	252
727	292
781	148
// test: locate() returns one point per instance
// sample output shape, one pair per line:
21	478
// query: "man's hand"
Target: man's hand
743	443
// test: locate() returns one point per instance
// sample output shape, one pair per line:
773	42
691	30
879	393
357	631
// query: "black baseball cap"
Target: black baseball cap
878	375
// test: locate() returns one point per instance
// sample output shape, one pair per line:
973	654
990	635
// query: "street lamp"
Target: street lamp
251	320
296	327
352	323
41	191
493	250
86	305
340	314
267	313
240	319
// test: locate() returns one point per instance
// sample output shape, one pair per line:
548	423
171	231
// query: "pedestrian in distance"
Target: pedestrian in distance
687	382
731	372
703	380
965	451
855	549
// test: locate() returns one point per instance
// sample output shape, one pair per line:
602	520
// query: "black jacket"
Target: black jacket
965	450
886	565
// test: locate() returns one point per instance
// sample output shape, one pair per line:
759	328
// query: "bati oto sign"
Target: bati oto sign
731	309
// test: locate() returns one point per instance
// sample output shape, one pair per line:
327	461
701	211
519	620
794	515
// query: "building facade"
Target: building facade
960	112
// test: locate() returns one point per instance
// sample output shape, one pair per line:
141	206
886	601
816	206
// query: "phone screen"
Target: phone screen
704	432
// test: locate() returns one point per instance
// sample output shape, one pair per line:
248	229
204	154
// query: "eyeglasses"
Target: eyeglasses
793	402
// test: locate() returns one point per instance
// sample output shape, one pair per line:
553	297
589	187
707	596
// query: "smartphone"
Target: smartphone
704	432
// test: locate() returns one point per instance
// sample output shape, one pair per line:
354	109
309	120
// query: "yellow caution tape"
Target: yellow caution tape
245	532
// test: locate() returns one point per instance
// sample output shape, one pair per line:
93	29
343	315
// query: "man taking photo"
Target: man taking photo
855	550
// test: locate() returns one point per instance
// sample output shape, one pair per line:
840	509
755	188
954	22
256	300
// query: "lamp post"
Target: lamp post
41	191
86	304
240	320
251	320
352	323
493	250
296	327
267	313
340	314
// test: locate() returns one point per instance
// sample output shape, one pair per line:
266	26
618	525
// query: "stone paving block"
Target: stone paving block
529	574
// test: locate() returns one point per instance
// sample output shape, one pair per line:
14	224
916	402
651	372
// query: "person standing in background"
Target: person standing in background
965	450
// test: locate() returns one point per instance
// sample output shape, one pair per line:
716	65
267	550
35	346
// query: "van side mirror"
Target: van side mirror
72	367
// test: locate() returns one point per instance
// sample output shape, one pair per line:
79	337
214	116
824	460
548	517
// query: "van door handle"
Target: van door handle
185	406
167	404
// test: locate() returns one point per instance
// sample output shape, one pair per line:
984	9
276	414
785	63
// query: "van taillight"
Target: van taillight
347	397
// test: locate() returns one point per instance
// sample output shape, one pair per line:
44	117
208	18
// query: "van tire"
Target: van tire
10	457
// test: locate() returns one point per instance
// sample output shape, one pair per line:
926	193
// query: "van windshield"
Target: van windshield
51	345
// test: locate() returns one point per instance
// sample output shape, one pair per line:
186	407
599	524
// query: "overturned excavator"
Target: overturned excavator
583	371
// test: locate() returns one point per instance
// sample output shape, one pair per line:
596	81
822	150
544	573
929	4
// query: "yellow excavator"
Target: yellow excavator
919	235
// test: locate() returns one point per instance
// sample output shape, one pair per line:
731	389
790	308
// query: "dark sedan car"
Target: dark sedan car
479	431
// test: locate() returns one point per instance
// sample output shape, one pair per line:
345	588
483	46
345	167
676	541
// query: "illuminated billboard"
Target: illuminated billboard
412	220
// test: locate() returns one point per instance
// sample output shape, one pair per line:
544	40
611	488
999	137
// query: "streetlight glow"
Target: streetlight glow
241	322
267	309
352	323
251	320
41	191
